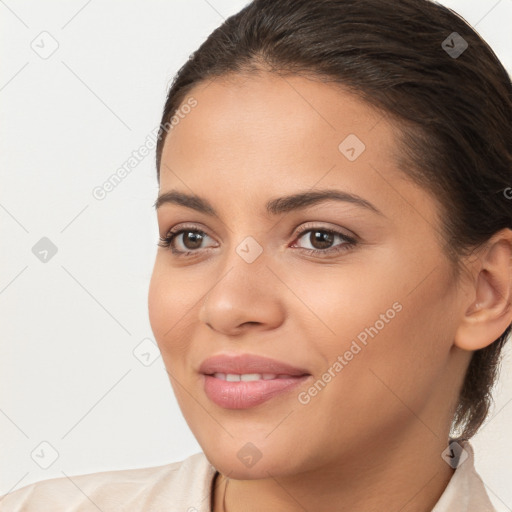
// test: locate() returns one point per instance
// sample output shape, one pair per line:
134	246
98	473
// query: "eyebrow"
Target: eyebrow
297	201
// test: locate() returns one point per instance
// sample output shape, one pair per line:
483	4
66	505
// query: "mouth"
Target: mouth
240	381
248	364
233	391
250	377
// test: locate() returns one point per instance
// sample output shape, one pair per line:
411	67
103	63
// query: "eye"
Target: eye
184	241
322	239
187	240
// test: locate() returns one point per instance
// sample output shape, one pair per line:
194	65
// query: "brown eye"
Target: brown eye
184	241
192	239
322	240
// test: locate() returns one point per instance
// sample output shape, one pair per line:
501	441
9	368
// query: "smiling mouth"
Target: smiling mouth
242	391
249	377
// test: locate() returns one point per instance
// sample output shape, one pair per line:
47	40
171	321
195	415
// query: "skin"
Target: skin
372	438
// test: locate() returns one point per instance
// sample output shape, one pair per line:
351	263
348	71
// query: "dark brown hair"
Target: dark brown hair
452	110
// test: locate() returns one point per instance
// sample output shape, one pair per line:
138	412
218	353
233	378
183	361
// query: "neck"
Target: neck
399	474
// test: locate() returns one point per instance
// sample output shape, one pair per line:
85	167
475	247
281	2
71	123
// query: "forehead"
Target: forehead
269	121
268	135
276	111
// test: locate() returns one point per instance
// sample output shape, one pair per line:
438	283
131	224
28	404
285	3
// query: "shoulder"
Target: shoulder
184	484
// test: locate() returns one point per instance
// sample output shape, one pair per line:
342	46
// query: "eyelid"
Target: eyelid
183	226
295	231
180	229
349	240
320	226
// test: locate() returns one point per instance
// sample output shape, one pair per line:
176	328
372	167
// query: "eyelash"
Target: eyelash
166	242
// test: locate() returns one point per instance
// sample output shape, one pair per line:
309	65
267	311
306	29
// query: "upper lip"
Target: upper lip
247	363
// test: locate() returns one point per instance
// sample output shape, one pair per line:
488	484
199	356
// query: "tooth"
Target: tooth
246	377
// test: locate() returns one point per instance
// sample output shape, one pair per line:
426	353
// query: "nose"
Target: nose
246	296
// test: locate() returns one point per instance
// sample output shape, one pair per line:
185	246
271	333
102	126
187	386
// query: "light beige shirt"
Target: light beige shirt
185	486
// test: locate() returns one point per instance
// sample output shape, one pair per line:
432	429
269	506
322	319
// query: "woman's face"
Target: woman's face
371	322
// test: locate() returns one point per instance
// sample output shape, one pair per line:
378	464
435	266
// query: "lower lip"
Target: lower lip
242	395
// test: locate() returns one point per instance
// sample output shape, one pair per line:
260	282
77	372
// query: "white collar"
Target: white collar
465	491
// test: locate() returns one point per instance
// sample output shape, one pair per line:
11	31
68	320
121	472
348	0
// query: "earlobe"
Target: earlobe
490	313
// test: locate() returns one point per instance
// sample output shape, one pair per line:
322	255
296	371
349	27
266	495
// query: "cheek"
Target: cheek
387	318
175	297
169	307
158	302
386	361
346	302
406	350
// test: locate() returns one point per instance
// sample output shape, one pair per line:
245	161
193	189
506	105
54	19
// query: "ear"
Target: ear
489	312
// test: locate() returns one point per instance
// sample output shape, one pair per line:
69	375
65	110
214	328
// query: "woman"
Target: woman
333	285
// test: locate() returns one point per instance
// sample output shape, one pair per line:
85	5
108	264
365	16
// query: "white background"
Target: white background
68	375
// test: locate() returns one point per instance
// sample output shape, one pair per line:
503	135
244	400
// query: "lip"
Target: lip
248	363
245	394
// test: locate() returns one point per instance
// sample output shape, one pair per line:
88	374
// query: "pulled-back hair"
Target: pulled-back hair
452	107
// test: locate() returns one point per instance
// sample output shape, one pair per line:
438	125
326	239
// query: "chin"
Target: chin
249	462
